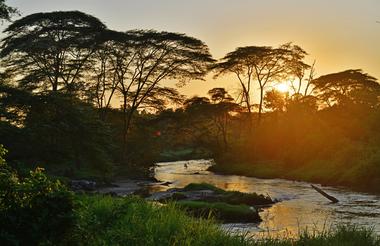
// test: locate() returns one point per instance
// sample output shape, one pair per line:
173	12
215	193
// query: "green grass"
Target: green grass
231	197
104	220
221	211
133	221
342	235
202	186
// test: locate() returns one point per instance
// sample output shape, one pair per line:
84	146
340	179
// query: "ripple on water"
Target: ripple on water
300	207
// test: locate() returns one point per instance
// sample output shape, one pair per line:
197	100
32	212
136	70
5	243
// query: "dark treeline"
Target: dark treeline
64	74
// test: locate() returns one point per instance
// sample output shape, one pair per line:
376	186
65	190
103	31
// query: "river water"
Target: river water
300	207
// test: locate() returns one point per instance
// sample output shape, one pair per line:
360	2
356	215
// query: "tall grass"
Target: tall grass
133	221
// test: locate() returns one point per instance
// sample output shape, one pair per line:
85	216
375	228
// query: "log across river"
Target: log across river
300	207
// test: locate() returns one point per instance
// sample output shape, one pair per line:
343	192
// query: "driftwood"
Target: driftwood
331	198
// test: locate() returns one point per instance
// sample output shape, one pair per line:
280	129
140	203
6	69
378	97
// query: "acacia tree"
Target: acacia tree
6	12
263	65
222	109
108	70
309	80
296	67
50	51
350	86
144	59
275	100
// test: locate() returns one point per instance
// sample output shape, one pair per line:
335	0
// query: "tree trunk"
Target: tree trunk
320	191
261	102
125	124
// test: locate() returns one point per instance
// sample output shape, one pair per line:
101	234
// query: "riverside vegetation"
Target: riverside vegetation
205	201
35	201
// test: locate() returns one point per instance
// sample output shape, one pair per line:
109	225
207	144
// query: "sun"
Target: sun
282	87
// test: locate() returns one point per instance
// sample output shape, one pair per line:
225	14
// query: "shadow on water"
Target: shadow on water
300	206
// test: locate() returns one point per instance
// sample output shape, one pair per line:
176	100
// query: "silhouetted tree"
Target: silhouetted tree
218	95
263	65
275	100
66	133
310	78
6	12
350	86
222	111
296	67
148	59
50	51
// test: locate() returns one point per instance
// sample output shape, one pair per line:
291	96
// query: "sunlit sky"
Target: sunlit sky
338	34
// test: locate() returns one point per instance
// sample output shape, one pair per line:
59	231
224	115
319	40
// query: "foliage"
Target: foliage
34	209
264	65
350	86
50	51
275	100
61	133
6	12
202	186
3	151
230	197
133	221
221	211
69	133
56	96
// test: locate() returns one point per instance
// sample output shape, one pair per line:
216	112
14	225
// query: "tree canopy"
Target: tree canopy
352	85
264	65
49	51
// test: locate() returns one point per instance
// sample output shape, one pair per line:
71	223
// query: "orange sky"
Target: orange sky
339	34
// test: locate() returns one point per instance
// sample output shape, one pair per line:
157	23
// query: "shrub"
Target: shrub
34	209
105	220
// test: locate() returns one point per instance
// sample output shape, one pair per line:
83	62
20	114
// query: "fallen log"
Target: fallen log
320	191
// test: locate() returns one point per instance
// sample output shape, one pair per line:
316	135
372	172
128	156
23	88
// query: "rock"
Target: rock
122	188
86	185
143	192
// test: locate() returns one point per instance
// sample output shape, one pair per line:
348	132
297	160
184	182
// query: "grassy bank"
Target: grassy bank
221	211
322	172
231	197
133	221
38	210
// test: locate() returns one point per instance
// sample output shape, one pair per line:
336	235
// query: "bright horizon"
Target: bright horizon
339	34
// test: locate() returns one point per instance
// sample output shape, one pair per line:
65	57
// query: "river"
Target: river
300	207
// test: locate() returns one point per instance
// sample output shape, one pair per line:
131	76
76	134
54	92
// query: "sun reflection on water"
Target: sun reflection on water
300	207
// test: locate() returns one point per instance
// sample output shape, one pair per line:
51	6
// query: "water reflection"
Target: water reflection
300	207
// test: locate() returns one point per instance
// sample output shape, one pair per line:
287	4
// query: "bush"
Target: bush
221	211
105	220
230	197
34	209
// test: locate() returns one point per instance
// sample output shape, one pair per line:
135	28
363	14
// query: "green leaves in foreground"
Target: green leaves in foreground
33	209
133	221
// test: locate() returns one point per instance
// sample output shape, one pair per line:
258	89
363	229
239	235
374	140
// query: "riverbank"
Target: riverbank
317	172
105	220
31	203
